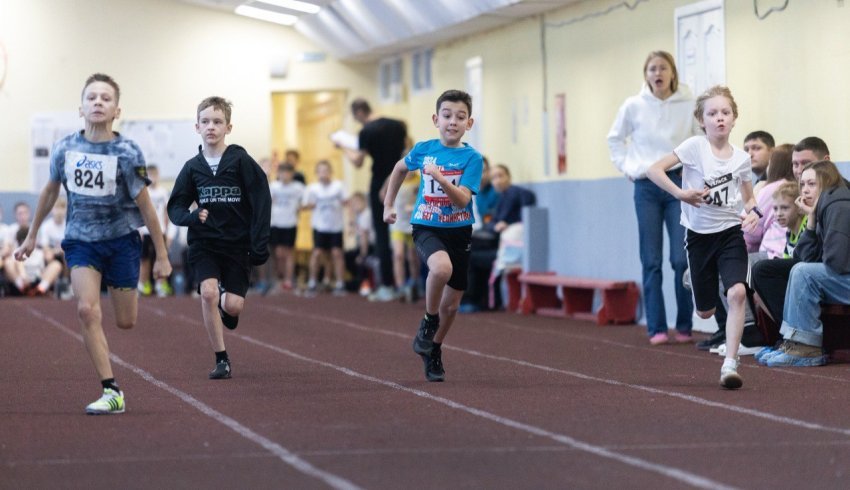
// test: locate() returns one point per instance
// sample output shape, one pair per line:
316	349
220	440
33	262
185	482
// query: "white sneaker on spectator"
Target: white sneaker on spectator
743	350
384	294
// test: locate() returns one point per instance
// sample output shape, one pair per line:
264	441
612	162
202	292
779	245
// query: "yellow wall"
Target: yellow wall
789	74
166	55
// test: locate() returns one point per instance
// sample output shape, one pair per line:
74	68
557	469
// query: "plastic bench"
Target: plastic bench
619	298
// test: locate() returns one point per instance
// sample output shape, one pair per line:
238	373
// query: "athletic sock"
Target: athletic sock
111	384
221	356
432	318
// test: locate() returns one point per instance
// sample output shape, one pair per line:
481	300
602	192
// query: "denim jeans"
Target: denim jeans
655	207
810	285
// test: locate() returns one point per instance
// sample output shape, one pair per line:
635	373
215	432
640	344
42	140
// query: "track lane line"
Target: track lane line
680	475
281	452
648	389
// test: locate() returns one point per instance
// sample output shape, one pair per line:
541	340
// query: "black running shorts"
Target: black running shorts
231	268
454	241
715	256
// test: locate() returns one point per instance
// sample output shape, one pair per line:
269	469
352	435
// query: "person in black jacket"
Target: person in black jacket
229	230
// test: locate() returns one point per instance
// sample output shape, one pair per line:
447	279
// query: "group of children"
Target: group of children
222	196
233	216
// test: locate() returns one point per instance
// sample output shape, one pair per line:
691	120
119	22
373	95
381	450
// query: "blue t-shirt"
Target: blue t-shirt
462	166
102	181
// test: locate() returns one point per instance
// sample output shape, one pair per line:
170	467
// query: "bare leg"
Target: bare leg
86	284
209	309
737	296
398	263
448	311
338	263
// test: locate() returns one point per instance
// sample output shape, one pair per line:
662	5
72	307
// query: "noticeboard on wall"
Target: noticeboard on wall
165	143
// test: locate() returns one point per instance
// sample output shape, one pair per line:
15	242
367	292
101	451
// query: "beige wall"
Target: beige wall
789	74
166	55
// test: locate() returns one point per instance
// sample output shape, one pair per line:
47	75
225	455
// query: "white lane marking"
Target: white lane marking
674	394
673	473
281	452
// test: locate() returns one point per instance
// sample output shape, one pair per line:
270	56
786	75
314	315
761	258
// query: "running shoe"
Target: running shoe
110	402
717	338
423	343
729	377
221	371
434	371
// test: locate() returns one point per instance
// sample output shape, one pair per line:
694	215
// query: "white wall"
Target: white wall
166	55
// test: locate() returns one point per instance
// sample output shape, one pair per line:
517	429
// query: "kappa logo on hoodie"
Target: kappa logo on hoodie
219	194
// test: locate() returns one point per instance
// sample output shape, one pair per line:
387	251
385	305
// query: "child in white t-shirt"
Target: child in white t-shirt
326	198
287	194
405	259
716	188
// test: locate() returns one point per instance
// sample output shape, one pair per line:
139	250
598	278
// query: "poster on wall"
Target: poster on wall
561	131
46	129
166	144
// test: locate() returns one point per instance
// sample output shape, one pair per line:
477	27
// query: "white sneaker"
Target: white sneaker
729	377
743	350
111	402
384	294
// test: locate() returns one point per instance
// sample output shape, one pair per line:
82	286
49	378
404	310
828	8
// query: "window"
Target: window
390	80
422	70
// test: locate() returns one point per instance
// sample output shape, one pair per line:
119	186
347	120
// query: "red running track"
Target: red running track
327	393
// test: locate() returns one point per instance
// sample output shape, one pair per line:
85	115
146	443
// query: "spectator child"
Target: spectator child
405	259
326	198
37	273
450	173
789	217
716	188
287	194
229	230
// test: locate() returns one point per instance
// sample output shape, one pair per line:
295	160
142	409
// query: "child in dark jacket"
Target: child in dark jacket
229	230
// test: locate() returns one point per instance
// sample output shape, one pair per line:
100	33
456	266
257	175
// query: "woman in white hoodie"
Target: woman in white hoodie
648	126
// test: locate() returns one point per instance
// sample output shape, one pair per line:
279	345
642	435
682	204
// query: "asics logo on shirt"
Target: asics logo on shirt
87	163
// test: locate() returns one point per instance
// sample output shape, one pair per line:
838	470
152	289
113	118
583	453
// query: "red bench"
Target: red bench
836	330
619	298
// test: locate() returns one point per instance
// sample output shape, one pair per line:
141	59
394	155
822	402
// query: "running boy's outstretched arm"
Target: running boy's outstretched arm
161	267
46	200
459	195
393	185
658	174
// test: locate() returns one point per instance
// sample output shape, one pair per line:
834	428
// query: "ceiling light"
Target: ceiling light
305	7
266	15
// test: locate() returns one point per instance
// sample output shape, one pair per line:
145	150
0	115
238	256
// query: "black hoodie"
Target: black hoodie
237	198
830	241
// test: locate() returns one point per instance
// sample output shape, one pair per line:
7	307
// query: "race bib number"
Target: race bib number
91	174
432	190
718	190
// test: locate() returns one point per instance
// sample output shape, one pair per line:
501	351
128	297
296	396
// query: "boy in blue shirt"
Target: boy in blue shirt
442	219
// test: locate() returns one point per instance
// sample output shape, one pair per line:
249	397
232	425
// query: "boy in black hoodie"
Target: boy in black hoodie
229	230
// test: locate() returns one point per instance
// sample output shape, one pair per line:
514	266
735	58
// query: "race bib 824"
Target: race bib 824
91	174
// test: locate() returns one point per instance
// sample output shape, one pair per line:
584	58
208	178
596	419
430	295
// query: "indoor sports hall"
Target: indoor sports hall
557	373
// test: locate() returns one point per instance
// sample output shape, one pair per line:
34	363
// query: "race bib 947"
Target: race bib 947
91	174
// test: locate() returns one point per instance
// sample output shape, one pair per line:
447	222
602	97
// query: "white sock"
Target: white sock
730	362
221	300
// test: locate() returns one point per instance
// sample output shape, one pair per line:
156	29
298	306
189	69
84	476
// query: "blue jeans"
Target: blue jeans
810	285
655	207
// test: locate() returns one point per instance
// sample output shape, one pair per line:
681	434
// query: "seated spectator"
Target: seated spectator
759	145
769	278
484	203
789	218
823	273
781	160
513	199
35	275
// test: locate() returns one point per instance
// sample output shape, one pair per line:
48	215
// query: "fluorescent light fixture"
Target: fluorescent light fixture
306	7
266	15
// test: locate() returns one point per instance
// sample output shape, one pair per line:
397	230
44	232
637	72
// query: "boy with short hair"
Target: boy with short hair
106	182
287	194
229	230
450	172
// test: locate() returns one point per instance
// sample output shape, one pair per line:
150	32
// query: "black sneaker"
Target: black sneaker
434	365
717	338
228	320
221	371
423	343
